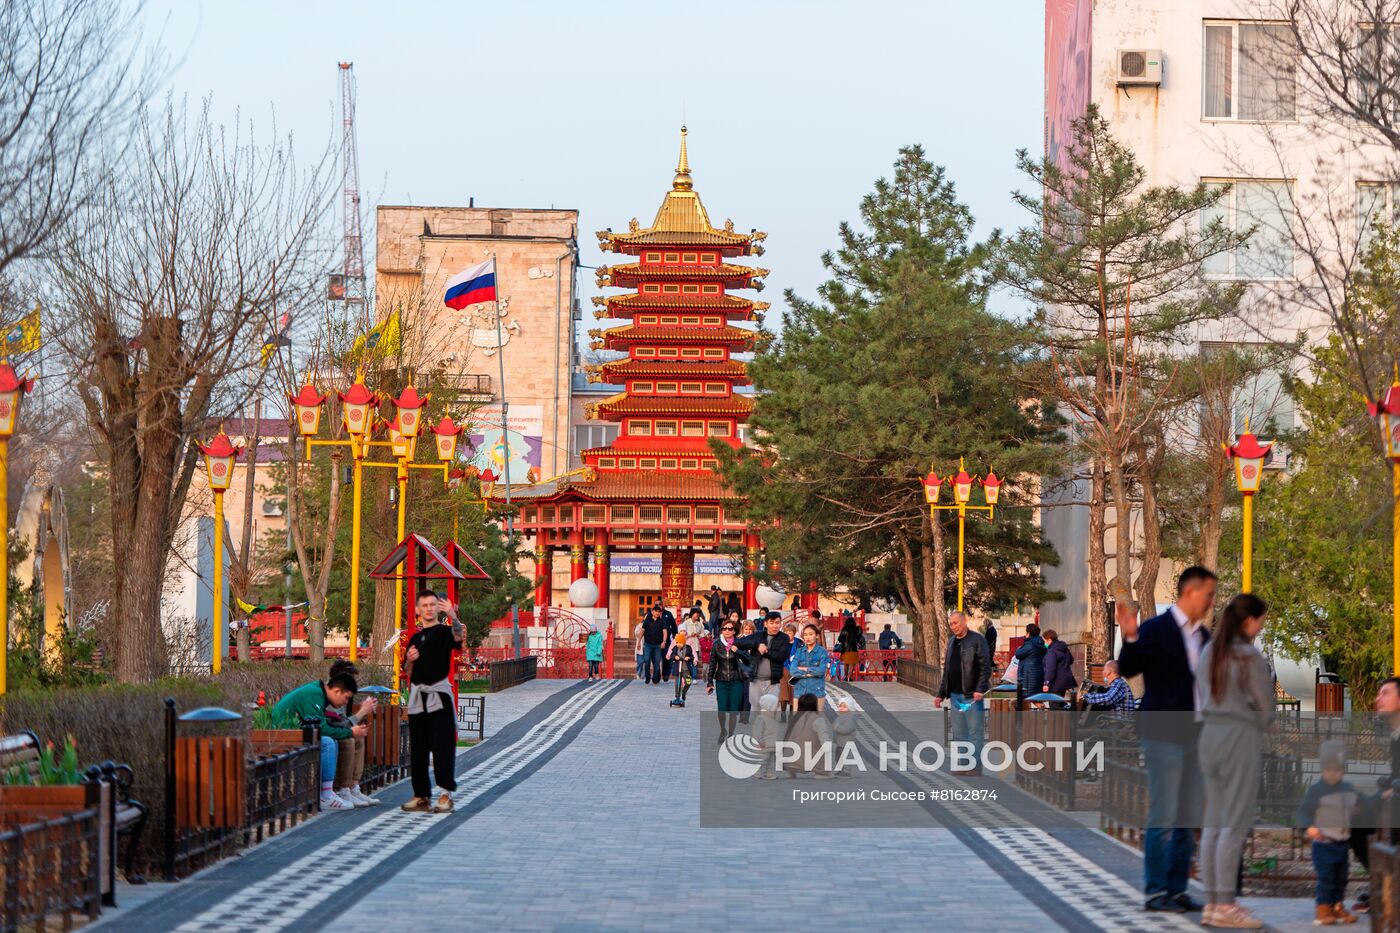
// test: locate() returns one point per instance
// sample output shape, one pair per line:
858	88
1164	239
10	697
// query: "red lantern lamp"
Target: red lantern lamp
13	389
991	487
454	479
219	455
307	406
446	433
487	478
1387	415
931	486
409	405
399	443
358	401
1249	457
962	486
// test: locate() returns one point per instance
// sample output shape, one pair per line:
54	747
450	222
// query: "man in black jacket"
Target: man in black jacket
716	607
967	676
1165	650
768	650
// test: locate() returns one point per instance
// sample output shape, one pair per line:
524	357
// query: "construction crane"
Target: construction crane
349	283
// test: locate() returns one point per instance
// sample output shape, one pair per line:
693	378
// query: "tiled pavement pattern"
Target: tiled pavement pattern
579	813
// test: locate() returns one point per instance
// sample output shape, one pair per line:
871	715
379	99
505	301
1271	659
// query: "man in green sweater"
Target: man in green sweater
309	701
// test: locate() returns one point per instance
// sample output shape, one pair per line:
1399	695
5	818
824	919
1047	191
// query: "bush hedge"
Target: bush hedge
125	723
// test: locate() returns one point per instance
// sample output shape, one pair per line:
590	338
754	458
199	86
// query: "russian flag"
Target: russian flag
472	286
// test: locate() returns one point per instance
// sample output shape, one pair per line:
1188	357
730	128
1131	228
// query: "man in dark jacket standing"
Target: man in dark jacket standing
967	676
768	650
1165	650
716	608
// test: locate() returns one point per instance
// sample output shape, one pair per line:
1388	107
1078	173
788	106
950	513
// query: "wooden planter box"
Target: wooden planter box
19	804
265	742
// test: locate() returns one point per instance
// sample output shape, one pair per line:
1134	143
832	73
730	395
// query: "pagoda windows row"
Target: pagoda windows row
706	320
670	288
680	353
647	427
679	388
656	463
681	259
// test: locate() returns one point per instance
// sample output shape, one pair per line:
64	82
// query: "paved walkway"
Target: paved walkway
580	812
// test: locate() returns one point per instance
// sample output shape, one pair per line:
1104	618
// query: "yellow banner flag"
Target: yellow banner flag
386	338
25	337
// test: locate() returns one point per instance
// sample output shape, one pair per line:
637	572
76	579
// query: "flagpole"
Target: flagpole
505	469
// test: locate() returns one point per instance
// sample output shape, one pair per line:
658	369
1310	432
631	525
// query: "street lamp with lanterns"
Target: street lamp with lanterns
13	389
1249	457
361	422
962	484
1386	411
219	456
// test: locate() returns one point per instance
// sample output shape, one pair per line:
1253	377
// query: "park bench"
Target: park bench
122	815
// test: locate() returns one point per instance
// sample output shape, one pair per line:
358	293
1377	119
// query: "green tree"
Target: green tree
1114	269
896	366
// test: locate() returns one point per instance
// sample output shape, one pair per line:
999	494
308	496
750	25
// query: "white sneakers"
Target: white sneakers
346	799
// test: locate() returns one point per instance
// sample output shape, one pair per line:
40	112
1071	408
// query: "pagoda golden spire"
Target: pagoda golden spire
682	180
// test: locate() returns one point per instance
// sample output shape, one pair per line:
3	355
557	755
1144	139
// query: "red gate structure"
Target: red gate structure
563	655
421	562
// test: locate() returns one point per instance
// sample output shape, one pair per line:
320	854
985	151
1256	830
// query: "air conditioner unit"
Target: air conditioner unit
1140	67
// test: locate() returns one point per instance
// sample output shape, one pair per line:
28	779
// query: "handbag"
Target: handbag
745	664
1012	669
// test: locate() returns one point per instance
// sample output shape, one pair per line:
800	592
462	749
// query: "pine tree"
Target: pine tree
896	366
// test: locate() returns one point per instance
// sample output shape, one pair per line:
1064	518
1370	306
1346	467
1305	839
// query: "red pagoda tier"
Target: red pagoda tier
655	487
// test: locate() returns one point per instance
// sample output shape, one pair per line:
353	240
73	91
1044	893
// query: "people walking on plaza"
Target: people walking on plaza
808	665
311	701
786	702
768	653
811	732
668	621
694	626
656	638
707	644
432	714
889	639
1115	696
638	649
849	642
725	679
1059	664
967	676
1030	662
716	608
681	656
1235	706
733	606
766	731
989	633
1165	651
593	651
1328	810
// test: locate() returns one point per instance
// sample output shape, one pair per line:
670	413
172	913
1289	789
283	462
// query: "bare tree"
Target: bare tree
167	282
71	76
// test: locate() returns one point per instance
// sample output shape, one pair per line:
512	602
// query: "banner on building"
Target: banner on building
522	445
720	564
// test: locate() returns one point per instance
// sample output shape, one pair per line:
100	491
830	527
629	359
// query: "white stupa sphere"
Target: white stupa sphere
583	593
768	597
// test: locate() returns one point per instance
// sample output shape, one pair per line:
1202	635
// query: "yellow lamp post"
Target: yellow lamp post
219	455
1386	411
962	485
1249	457
403	431
13	388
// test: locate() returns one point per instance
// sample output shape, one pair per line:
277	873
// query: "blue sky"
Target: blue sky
794	108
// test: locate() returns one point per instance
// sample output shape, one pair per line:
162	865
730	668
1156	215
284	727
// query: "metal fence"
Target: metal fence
512	671
50	867
471	716
282	791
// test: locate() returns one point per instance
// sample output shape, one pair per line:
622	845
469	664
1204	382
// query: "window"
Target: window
719	429
690	465
639	428
666	388
690	319
595	514
607	463
589	436
644	353
1265	206
646	463
623	514
714	353
679	514
707	257
693	428
650	514
713	320
673	258
714	388
665	429
1376	203
711	289
671	289
689	258
1262	400
1249	72
1377	60
691	289
628	463
668	353
653	257
690	388
651	288
708	463
670	319
643	388
707	514
690	353
646	319
667	464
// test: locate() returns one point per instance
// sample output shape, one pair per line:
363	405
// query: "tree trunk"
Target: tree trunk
937	577
1122	521
1151	448
1217	476
1098	573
